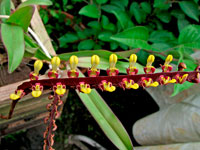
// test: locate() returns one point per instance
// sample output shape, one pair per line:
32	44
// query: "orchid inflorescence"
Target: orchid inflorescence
132	80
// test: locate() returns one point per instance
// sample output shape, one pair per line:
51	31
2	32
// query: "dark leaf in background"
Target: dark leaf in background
190	9
162	4
101	1
146	7
137	12
67	38
86	45
164	16
105	36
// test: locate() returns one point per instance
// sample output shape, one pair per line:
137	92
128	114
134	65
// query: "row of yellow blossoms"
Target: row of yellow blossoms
93	72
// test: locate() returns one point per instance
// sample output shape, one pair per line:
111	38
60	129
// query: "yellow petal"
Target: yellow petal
154	84
112	60
37	66
134	86
55	62
73	61
150	60
60	91
132	60
168	59
36	93
14	96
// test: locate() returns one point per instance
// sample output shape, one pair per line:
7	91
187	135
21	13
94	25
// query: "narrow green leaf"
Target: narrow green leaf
101	1
105	36
123	18
35	2
190	9
13	40
22	17
5	7
104	21
86	45
90	11
106	119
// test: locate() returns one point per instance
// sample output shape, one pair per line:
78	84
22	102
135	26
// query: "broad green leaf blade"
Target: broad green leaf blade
190	9
106	119
162	4
90	11
22	17
123	18
135	37
35	2
160	36
5	7
137	12
105	36
190	36
13	40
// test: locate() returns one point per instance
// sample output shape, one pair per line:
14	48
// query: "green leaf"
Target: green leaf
135	37
179	14
111	8
104	21
106	119
94	25
41	55
123	18
164	16
35	2
22	17
120	3
90	11
113	45
162	4
137	12
105	36
5	7
190	9
67	38
86	45
196	1
182	23
101	1
190	36
13	40
160	36
146	7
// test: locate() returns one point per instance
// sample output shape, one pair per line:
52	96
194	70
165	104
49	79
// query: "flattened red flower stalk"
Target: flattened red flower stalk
128	84
93	71
149	68
132	70
106	86
84	88
73	61
112	70
55	63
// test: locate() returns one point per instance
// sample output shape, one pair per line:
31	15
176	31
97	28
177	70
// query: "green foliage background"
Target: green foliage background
165	27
